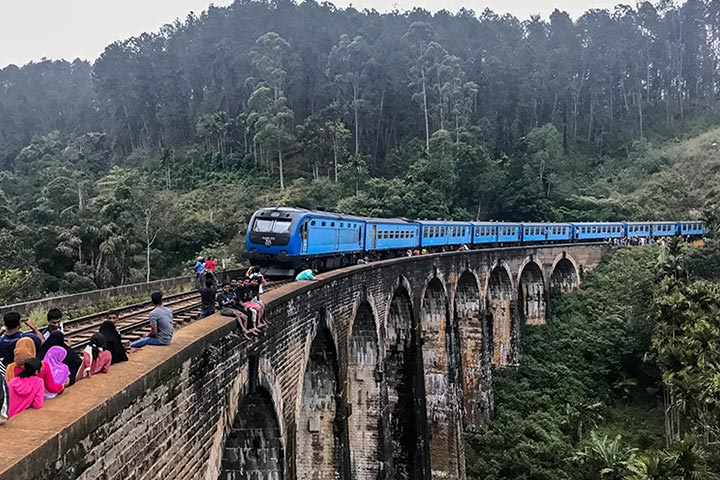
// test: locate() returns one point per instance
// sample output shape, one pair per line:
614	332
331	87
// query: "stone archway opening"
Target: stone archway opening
364	394
440	361
475	368
319	440
531	295
500	312
564	276
400	427
253	448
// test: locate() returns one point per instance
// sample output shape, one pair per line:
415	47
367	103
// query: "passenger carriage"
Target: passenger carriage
692	229
598	230
441	235
385	235
546	232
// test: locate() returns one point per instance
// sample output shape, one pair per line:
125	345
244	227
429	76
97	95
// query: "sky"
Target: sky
69	29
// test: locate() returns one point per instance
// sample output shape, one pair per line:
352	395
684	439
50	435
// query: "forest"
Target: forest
127	168
622	381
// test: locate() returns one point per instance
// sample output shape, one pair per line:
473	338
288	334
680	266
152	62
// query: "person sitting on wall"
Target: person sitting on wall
24	351
307	274
227	303
161	324
72	359
54	319
96	358
26	389
55	358
4	396
13	334
113	338
246	298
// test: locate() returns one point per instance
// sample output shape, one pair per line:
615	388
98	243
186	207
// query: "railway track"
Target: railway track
134	323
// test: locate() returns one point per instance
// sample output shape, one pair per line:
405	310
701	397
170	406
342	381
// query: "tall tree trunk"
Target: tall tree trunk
280	166
357	126
425	108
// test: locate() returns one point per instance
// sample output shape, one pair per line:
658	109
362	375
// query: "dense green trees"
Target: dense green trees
622	381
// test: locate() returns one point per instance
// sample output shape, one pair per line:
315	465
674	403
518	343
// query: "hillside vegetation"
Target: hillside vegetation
622	381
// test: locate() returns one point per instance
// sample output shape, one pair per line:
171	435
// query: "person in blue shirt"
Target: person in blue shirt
199	267
306	275
13	334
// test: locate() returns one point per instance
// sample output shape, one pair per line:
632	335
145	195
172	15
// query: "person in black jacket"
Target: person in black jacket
208	291
112	338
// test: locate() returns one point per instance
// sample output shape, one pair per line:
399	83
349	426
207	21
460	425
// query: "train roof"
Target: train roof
387	220
650	221
583	224
500	224
544	224
442	222
294	211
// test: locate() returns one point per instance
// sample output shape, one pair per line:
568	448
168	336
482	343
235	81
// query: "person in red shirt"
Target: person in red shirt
210	264
27	389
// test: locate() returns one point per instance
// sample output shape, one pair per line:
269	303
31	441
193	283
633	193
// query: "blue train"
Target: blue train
284	239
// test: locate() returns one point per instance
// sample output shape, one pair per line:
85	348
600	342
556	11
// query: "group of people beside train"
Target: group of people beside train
36	365
239	298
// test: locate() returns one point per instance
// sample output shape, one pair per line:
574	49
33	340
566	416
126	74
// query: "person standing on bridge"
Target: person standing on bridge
161	324
199	267
208	290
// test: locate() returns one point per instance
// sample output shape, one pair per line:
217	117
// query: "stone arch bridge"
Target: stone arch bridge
374	372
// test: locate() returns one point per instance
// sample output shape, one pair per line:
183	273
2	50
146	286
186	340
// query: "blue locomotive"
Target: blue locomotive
285	239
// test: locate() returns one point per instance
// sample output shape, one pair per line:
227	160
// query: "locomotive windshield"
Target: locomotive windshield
264	225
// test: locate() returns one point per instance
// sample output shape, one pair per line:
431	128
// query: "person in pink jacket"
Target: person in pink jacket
96	357
27	389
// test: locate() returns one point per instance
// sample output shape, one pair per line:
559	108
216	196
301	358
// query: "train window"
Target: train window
332	224
341	224
425	231
312	223
281	226
262	225
322	224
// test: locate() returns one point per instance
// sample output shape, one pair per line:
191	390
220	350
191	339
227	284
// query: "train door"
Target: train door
304	236
373	239
336	232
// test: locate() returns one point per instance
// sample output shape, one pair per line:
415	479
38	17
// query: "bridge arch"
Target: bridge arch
565	274
440	361
475	369
320	437
254	446
402	444
502	316
532	298
364	394
251	435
